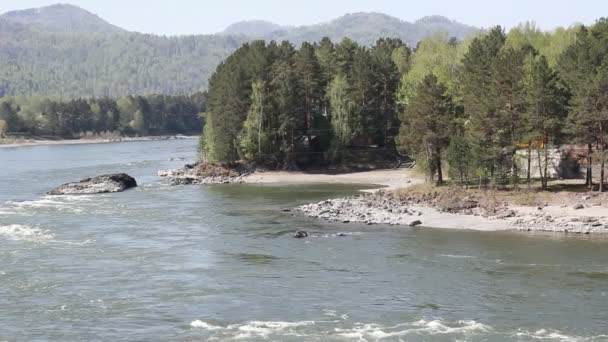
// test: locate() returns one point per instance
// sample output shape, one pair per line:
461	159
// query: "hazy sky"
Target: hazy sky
209	16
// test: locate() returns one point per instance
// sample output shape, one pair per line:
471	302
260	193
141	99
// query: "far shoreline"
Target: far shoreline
401	197
87	141
576	214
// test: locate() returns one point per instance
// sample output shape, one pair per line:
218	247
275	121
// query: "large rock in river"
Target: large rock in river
101	184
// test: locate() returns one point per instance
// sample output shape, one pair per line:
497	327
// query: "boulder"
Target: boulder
300	234
415	223
96	185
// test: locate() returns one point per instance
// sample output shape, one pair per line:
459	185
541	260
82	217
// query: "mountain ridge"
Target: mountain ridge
61	18
67	52
363	27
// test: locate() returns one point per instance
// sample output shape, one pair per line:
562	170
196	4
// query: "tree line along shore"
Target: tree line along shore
462	108
42	118
466	108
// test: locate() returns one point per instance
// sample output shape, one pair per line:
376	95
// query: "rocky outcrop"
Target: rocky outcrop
207	173
375	208
407	210
96	185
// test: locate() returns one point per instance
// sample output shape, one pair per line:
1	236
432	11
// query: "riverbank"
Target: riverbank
403	199
9	143
391	179
453	207
400	197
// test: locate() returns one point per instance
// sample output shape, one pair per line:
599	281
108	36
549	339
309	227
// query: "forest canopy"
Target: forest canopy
468	105
127	115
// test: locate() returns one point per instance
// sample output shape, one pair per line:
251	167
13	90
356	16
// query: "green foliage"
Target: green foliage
481	108
341	112
37	62
3	128
458	155
141	115
437	55
343	93
254	140
427	124
551	45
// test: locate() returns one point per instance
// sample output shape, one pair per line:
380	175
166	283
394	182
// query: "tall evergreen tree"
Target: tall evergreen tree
310	83
426	128
481	109
545	109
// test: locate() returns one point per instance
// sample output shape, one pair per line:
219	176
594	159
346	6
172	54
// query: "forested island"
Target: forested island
462	107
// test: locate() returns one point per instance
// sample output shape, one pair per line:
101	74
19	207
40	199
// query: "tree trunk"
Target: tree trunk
529	174
602	159
431	163
514	170
492	178
540	168
439	171
545	180
589	178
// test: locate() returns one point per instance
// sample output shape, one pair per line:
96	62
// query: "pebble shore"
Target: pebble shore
386	208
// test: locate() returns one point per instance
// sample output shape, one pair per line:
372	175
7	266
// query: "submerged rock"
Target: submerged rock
415	223
96	185
300	234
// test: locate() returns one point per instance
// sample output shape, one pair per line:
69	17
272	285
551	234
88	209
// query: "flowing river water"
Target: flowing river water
205	263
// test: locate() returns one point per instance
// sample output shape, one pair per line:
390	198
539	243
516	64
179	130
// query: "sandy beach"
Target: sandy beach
390	179
399	197
386	180
565	213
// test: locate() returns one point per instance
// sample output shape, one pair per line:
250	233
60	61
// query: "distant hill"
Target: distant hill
69	65
67	52
61	18
364	28
253	28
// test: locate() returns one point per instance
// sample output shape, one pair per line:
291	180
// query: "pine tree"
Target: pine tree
387	81
310	83
508	93
426	130
545	108
481	109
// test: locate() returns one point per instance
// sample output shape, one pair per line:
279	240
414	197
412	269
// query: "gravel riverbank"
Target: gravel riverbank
430	210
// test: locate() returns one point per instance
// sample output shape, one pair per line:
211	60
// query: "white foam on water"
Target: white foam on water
378	331
359	331
18	232
61	203
253	329
457	256
457	330
26	233
558	336
204	325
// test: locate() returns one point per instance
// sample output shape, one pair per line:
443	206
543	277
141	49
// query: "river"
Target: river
205	263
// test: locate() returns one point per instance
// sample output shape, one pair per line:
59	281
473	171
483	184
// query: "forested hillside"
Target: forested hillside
466	105
61	18
64	51
70	65
363	28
